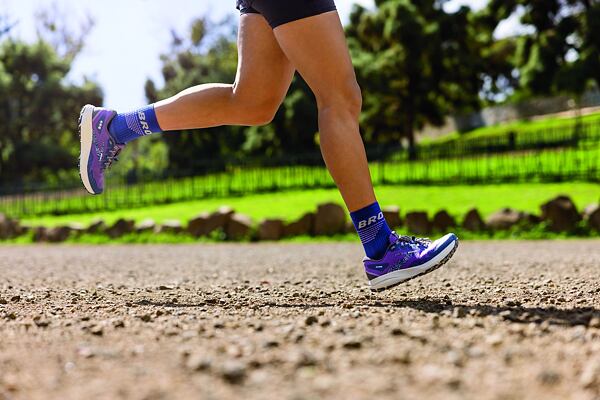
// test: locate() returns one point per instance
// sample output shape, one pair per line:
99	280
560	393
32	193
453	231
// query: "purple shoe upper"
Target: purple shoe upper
104	149
406	252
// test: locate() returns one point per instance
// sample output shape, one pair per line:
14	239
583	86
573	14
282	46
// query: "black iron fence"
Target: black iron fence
566	152
581	163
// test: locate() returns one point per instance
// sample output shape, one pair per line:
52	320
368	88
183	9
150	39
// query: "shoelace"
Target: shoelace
112	157
412	240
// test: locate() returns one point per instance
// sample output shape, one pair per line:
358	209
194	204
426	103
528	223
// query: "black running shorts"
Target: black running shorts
279	12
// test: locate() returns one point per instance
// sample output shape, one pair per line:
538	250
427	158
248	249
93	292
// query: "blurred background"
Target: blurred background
468	104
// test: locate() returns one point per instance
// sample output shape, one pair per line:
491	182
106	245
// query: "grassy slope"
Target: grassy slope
517	126
289	205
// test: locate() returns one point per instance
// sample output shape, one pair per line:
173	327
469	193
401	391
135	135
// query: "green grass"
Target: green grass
290	205
524	166
522	128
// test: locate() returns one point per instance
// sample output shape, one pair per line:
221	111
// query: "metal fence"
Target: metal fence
581	163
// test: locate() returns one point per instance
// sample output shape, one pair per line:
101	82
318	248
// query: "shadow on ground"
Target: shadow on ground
517	314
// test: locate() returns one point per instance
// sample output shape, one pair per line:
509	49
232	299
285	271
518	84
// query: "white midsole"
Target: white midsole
404	274
86	131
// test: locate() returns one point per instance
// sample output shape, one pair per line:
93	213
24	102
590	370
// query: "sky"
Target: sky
123	49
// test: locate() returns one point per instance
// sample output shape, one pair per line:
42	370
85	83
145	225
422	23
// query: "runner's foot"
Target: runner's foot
98	148
407	258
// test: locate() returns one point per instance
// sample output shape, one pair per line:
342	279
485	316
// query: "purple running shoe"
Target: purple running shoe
407	258
98	148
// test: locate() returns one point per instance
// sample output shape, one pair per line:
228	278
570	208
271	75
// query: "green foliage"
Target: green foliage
415	64
38	104
38	110
563	52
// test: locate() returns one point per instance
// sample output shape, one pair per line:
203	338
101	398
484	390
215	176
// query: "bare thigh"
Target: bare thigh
264	72
263	77
317	48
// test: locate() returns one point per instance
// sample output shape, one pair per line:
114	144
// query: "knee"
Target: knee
259	114
256	109
346	98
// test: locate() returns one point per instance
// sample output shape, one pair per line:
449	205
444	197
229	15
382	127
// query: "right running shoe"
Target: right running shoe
98	148
407	258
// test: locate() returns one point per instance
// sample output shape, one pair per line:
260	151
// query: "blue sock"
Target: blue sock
126	127
373	230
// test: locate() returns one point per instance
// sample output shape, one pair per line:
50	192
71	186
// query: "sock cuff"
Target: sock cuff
372	229
360	218
148	115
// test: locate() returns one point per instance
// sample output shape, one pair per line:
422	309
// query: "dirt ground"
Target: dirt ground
503	320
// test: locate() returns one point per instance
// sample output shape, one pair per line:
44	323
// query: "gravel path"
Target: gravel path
503	320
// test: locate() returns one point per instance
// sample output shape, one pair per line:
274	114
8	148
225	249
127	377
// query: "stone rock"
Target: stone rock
238	227
120	228
392	216
505	219
16	228
270	229
4	226
24	229
352	344
169	226
205	224
418	223
330	219
9	228
198	362
77	229
349	227
39	234
58	234
590	375
442	221
147	225
473	221
234	372
197	226
592	215
303	226
561	213
96	226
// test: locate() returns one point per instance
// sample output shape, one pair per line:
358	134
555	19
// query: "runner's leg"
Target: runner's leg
317	48
263	78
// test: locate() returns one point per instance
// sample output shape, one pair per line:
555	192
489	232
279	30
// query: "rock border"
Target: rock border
559	215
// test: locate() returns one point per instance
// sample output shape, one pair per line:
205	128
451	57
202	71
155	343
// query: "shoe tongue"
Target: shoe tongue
393	238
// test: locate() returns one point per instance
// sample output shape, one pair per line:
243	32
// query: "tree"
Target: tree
38	109
562	54
415	63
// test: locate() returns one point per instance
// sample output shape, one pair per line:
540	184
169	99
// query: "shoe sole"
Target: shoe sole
86	132
396	278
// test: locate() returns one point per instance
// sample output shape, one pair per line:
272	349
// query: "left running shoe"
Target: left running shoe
98	148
